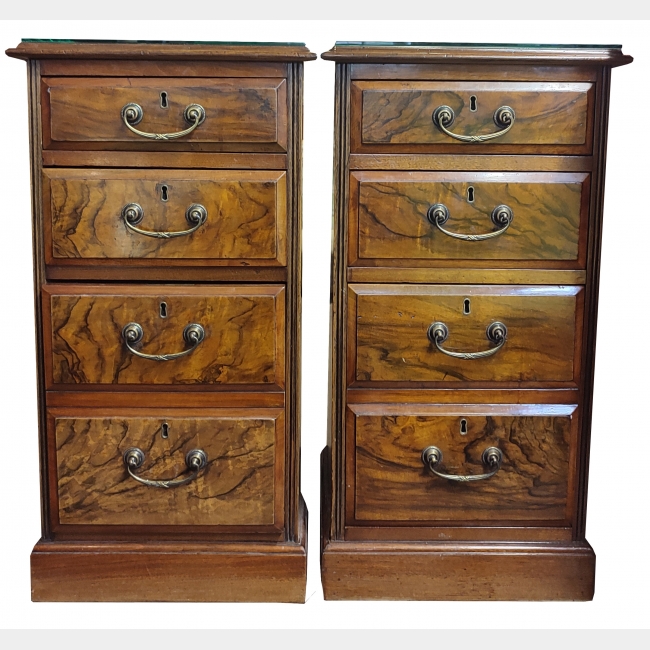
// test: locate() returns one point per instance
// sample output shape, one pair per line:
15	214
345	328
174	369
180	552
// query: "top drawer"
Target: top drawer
240	114
398	117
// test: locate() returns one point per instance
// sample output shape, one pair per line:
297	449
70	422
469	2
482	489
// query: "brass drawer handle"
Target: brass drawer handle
132	114
133	214
502	217
504	118
132	333
195	460
492	457
496	333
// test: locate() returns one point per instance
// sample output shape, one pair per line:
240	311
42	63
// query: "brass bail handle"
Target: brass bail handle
132	213
502	216
132	333
496	333
492	458
195	460
132	114
504	118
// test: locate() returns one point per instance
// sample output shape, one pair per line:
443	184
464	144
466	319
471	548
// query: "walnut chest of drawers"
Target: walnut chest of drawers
167	218
467	221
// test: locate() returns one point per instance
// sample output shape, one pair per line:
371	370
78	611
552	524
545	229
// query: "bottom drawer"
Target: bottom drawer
392	483
243	451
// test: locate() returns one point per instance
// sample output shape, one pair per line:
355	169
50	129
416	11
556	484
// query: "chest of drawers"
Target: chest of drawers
167	220
468	196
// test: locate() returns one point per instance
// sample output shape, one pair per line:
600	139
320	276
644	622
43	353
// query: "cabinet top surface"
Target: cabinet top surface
407	52
35	48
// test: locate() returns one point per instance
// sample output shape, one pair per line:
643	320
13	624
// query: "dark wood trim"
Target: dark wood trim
471	72
462	55
162	160
591	297
458	571
162	51
160	68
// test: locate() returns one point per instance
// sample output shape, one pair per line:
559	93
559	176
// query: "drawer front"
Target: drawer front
237	486
240	114
391	113
243	341
392	217
390	325
243	221
536	442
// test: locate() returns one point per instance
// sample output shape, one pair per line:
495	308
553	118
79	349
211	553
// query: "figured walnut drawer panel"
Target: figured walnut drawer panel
238	486
388	114
246	216
243	343
388	216
240	114
388	340
392	484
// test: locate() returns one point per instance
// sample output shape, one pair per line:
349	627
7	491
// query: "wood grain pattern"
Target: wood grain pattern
243	344
235	488
388	216
394	113
389	324
392	484
246	222
239	112
457	571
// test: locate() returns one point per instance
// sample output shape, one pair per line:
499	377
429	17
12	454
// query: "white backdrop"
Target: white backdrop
617	526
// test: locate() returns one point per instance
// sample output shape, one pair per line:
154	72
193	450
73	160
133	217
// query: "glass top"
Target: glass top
478	45
91	40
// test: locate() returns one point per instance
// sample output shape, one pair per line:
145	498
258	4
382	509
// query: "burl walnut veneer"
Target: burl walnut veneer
166	182
468	200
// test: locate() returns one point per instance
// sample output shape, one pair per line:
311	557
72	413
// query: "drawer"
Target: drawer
532	482
240	114
227	336
392	339
426	216
387	115
158	217
237	486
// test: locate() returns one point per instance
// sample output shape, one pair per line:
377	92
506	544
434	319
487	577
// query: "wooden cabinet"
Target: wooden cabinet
468	199
166	204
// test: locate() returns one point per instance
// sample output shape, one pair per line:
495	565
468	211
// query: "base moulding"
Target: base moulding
171	572
444	571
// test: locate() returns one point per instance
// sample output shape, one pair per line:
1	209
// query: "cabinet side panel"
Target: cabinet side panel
591	295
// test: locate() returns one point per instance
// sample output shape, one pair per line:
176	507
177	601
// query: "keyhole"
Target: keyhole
163	193
164	430
463	427
163	99
466	306
473	103
163	310
470	194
